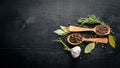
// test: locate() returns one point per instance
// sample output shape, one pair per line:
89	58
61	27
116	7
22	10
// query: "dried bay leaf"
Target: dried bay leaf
60	32
89	47
65	29
112	40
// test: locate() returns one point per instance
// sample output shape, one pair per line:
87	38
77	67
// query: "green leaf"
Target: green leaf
64	45
112	40
91	19
65	29
89	47
80	20
60	32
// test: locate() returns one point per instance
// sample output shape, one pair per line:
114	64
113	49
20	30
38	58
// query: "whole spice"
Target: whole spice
75	51
74	38
101	29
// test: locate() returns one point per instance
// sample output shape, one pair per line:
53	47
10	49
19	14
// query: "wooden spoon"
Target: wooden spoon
95	29
76	39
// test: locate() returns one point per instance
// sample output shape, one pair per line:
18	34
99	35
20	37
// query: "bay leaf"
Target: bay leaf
89	47
65	29
60	32
112	40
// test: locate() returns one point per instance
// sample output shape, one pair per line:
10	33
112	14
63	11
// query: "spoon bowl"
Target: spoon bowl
74	39
102	29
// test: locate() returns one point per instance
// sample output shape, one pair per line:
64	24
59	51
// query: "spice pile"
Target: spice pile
75	39
101	29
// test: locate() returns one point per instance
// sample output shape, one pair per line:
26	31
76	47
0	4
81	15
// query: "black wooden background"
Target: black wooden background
26	33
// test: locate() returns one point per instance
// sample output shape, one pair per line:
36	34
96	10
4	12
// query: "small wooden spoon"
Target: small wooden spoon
76	39
95	29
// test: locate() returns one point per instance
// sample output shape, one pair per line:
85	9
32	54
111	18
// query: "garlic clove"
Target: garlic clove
75	51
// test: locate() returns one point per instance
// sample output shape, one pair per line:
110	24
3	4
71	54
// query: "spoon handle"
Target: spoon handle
79	29
98	40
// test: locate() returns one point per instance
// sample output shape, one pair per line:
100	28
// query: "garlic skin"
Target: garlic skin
75	51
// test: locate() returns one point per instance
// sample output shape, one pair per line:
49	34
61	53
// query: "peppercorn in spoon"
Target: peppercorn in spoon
76	39
99	29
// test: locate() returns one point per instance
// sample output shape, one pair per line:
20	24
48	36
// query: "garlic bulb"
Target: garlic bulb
75	51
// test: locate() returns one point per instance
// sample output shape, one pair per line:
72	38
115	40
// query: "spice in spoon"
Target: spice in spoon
75	38
101	29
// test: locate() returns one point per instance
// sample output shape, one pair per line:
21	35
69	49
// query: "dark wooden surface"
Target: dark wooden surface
26	33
